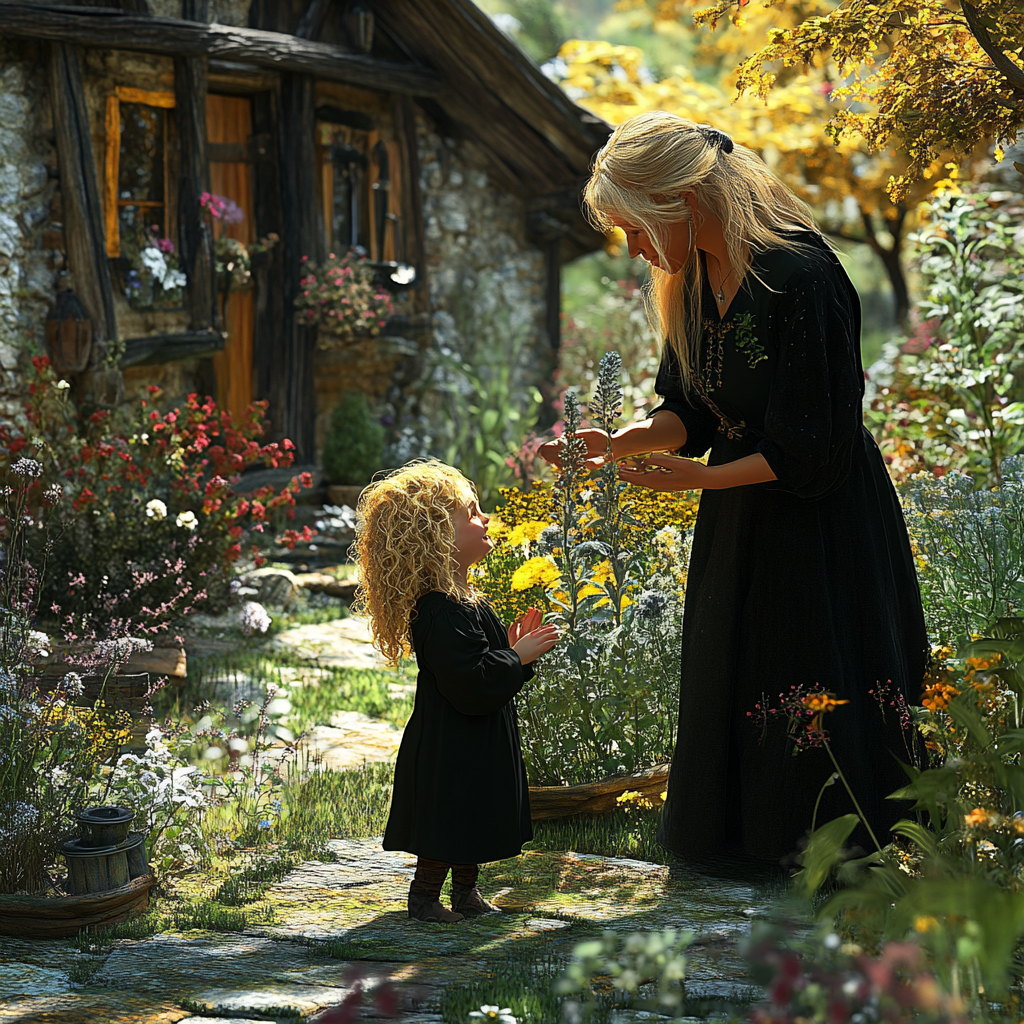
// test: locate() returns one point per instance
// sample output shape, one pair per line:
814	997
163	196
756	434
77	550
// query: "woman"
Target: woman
801	573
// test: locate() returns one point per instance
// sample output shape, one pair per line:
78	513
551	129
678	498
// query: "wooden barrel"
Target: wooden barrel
548	802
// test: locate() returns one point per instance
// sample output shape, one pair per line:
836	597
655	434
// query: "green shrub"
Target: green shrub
354	448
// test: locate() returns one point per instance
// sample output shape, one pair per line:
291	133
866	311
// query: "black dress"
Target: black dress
805	580
460	793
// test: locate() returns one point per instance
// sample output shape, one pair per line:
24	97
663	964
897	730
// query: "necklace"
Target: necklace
720	294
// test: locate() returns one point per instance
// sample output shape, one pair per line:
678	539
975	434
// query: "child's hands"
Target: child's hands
526	623
535	643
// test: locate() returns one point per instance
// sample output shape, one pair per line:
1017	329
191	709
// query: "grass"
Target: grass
251	883
623	833
347	689
323	805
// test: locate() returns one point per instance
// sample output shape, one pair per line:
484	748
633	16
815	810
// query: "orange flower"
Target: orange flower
979	816
822	702
937	696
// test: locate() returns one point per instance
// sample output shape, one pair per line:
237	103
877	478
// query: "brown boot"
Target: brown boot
427	908
468	901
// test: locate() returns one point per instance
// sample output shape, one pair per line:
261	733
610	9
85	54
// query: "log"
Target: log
547	802
109	27
80	194
59	917
324	583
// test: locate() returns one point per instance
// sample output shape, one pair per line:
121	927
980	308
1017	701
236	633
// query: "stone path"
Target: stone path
336	921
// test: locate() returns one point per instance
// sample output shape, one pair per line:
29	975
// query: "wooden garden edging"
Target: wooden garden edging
548	802
59	917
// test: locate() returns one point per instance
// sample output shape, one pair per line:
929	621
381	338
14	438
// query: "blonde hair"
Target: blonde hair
639	176
405	547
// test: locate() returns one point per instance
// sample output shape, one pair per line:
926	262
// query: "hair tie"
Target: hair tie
716	137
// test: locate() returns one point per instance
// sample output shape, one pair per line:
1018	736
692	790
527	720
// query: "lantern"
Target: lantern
68	334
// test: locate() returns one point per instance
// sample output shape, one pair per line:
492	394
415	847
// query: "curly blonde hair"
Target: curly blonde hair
640	175
405	548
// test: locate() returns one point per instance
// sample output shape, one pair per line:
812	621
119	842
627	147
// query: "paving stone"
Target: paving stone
353	738
344	643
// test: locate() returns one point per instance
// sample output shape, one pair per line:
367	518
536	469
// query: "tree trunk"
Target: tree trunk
890	257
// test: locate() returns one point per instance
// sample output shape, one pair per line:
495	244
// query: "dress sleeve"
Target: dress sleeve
814	419
475	678
696	416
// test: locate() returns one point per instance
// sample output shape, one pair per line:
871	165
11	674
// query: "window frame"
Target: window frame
112	159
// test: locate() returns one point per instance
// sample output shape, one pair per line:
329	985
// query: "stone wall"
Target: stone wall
30	257
486	284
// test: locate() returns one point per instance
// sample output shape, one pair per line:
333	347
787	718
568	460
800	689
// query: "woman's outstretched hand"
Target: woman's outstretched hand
595	440
535	643
665	473
526	623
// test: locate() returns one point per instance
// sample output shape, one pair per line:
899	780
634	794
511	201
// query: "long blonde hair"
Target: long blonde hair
639	176
405	547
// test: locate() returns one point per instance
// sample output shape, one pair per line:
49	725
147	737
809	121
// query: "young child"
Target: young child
460	795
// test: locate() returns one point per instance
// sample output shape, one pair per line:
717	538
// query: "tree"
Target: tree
843	180
930	75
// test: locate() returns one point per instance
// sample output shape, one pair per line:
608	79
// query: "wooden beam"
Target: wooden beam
179	38
272	317
169	348
311	23
403	112
293	389
80	194
195	236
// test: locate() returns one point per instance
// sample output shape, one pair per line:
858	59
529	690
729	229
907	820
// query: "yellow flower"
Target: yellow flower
925	924
527	532
496	529
535	572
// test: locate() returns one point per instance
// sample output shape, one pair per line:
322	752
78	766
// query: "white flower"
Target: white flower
59	777
122	648
156	509
38	644
174	279
8	682
27	467
73	684
502	1016
254	618
187	520
62	385
153	260
53	494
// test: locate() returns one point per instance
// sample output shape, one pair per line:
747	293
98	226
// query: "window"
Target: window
139	212
361	199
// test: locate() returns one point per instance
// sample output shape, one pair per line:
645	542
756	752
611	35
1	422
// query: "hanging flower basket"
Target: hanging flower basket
339	298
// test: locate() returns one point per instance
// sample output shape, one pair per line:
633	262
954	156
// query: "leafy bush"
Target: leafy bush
952	396
147	522
968	546
354	448
606	562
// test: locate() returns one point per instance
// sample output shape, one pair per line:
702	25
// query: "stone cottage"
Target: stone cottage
142	144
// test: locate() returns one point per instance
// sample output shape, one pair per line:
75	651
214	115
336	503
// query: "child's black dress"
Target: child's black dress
461	793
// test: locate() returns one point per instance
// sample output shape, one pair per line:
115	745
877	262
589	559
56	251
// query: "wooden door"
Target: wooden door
228	126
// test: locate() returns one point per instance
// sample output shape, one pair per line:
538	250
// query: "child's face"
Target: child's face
471	540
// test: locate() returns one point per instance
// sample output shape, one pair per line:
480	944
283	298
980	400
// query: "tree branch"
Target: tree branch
1013	74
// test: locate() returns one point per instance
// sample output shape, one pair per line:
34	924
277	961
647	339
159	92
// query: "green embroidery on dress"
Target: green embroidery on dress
746	341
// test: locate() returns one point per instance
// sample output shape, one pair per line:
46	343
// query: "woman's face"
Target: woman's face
677	249
471	540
